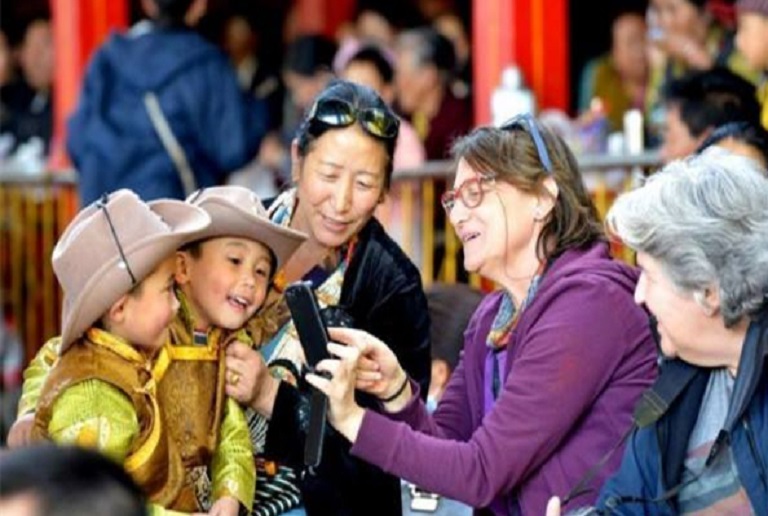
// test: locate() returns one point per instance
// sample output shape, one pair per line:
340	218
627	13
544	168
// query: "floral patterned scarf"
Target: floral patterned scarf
508	315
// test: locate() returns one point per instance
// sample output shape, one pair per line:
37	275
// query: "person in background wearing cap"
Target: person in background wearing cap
222	279
116	264
752	41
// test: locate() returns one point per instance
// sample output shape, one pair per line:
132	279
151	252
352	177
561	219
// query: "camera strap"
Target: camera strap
652	405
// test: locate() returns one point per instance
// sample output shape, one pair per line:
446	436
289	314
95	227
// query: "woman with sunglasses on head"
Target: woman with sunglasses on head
342	165
553	362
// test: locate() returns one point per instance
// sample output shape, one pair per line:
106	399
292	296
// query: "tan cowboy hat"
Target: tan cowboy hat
110	247
237	212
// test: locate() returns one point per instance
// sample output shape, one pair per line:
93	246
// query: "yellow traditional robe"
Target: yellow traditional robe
196	411
77	419
102	394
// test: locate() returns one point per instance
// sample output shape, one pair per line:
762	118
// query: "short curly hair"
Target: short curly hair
705	219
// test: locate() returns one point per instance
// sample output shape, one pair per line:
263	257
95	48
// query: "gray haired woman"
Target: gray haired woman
700	229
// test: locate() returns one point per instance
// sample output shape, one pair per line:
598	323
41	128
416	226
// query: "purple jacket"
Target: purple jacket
580	357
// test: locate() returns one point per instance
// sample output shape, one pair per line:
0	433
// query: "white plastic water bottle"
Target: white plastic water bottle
511	98
633	131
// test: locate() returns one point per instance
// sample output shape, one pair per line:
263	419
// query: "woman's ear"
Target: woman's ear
708	300
547	199
295	161
388	93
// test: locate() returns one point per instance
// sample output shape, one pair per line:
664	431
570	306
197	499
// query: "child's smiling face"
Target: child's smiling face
225	282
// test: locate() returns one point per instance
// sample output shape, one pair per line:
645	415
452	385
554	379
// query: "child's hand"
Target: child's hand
225	506
21	432
248	379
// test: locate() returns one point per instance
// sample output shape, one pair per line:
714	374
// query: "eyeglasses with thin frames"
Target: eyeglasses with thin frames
102	204
526	121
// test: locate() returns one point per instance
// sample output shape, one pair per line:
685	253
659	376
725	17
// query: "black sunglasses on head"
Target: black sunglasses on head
528	124
340	113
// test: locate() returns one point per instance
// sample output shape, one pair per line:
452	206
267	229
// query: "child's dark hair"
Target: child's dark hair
450	308
65	480
195	250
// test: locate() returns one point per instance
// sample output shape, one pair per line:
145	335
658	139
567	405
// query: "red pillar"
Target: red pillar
492	49
79	26
322	16
533	34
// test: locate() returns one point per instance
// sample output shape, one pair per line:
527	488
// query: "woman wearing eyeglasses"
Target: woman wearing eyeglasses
553	362
342	164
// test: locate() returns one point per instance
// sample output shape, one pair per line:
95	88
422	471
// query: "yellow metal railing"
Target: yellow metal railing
34	213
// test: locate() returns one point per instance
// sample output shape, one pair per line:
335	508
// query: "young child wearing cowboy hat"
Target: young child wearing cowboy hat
223	275
116	265
222	279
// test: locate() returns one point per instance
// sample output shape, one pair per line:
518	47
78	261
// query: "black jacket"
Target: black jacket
382	293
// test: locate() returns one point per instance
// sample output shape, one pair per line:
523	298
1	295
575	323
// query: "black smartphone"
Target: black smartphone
314	340
309	324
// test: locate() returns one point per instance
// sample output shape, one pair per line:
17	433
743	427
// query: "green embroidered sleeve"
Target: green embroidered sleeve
233	467
94	414
36	374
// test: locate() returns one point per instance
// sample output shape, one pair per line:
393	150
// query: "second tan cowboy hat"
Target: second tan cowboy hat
237	212
110	247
